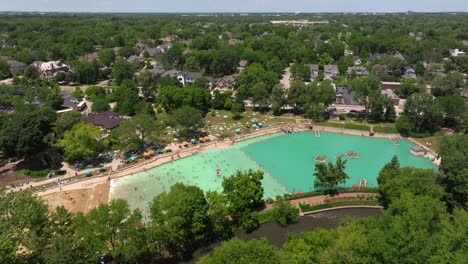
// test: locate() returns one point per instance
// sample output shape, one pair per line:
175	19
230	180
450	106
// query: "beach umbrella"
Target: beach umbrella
355	186
299	192
87	172
201	139
185	143
168	148
193	140
238	130
260	124
159	150
254	125
207	137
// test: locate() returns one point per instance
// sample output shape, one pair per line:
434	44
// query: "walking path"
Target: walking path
316	200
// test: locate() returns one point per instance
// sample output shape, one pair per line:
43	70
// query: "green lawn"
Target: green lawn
435	140
361	125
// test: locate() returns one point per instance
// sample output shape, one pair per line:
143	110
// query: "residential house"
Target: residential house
141	45
373	58
133	58
330	71
98	47
359	70
465	42
235	41
107	120
457	53
90	57
187	77
186	42
169	38
170	73
344	96
226	83
357	60
409	72
16	67
390	85
392	95
398	55
51	68
314	71
242	65
380	68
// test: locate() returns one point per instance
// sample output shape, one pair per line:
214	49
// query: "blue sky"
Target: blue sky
234	5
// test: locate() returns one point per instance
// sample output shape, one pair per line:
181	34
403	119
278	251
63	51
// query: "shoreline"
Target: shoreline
92	183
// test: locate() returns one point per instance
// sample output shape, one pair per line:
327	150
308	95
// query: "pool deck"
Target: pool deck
90	183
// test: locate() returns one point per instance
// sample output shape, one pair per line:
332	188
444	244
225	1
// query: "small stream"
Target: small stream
278	235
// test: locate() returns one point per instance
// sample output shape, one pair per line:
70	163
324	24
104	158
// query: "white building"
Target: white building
457	53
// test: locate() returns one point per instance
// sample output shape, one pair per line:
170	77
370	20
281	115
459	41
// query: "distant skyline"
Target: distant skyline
203	6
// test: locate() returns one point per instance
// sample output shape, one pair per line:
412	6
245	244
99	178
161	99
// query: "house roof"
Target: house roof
360	70
243	63
191	75
348	97
107	120
16	64
313	67
330	68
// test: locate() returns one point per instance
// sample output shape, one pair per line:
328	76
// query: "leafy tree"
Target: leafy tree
55	100
297	96
86	72
260	95
325	59
100	104
23	219
106	57
65	122
31	72
4	69
93	92
329	175
236	110
307	247
390	113
453	108
116	231
134	132
284	212
127	51
78	94
254	251
408	87
393	181
225	62
423	113
122	70
24	132
126	97
244	193
173	57
344	63
278	99
148	84
219	214
447	85
300	71
187	119
179	218
364	89
454	153
403	125
81	142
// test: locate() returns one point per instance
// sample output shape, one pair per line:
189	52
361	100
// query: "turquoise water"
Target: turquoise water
287	161
290	158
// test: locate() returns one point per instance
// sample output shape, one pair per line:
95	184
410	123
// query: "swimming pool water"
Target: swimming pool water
287	161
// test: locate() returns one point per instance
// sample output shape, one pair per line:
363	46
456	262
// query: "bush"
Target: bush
308	208
284	212
34	173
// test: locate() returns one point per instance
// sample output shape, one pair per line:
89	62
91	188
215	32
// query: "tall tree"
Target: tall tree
329	175
81	142
364	89
179	218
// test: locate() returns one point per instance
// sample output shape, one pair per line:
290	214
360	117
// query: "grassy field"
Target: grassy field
435	140
362	125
